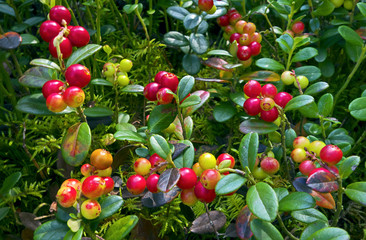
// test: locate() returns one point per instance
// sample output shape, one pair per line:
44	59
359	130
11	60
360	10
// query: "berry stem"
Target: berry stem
339	203
279	219
142	22
170	160
211	222
99	36
237	171
297	82
121	20
359	141
81	114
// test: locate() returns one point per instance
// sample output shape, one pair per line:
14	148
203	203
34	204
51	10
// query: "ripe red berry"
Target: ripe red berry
156	160
255	48
152	183
52	86
282	98
93	186
87	169
55	103
205	5
269	116
318	170
49	29
66	196
163	96
78	36
252	88
306	167
74	96
203	194
77	75
244	53
187	178
225	156
298	27
223	21
331	154
109	184
252	106
232	11
269	90
59	13
136	184
235	37
65	48
158	76
235	17
270	165
151	90
170	80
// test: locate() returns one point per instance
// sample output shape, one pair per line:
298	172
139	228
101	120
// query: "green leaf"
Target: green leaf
324	9
314	24
348	166
185	86
309	215
191	21
161	117
176	39
264	230
301	41
110	205
6	9
63	214
98	112
258	126
188	126
10	182
286	43
262	201
316	88
129	8
330	233
82	53
353	52
311	72
270	64
362	7
122	227
3	212
129	136
177	12
298	102
281	193
290	136
310	110
219	12
45	63
283	9
160	146
350	36
357	108
357	192
312	228
76	144
296	201
224	112
190	101
125	126
101	82
187	158
191	64
198	43
325	104
229	184
204	95
53	229
219	52
238	98
29	39
248	150
305	54
35	77
78	235
133	89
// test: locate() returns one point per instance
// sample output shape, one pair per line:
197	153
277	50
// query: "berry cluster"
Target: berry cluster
159	89
288	78
244	33
265	165
59	95
95	184
58	24
118	73
262	99
207	6
307	153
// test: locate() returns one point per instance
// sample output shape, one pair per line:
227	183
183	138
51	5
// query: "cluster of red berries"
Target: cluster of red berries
244	33
288	78
296	28
306	153
59	95
207	6
94	185
265	165
262	100
159	89
60	18
118	73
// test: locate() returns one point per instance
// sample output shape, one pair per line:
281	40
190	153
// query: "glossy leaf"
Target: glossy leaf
191	21
101	82
248	150
257	126
202	28
185	86
198	43
357	192
129	136
29	39
290	136
190	101
266	76
187	158
262	202
358	108
168	179
309	215
270	64
296	201
133	89
35	77
63	214
325	8
224	112
110	205
362	7
10	182
310	110
76	144
160	146
188	126
312	228
98	112
298	102
217	63
229	184
330	233
154	200
204	95
6	9
238	98
305	54
219	11
161	117
323	182
339	136
243	224
177	12
3	212
316	88
264	230
350	36
44	63
219	52
325	104
82	53
348	166
53	229
176	39
119	229
281	193
311	72
191	64
286	42
202	225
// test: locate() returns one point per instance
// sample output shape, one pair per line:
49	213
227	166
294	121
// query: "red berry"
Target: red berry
239	26
74	183
87	169
163	96
234	18
151	90
77	75
188	197
74	96
203	194
223	21
225	156
229	30
158	76
65	48
187	178
334	169
318	170
235	37
109	184
170	80
256	37
269	116
270	165
52	86
55	103
298	27
232	11
306	167
59	13
255	48
79	36
252	106
156	160
49	29
136	184
282	98
331	154
152	183
209	178
244	53
205	5
93	187
252	88
269	90
90	209
249	28
66	196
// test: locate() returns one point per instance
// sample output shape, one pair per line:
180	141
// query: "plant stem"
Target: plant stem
81	114
116	109
211	222
298	83
16	63
359	61
339	203
359	141
71	11
150	16
322	126
142	22
99	37
283	140
181	120
89	232
279	219
170	160
288	65
119	15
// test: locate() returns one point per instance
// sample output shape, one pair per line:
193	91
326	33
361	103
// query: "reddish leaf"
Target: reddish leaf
124	154
217	63
204	95
202	224
266	76
243	224
152	200
168	179
323	182
10	40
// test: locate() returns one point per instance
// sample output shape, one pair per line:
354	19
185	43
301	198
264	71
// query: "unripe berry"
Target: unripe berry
316	147
298	155
303	81
197	169
55	103
301	142
188	197
90	209
74	96
267	104
142	166
207	161
209	178
287	77
270	165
